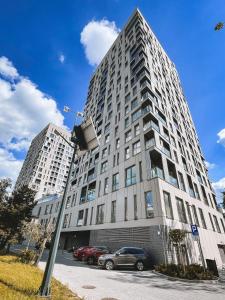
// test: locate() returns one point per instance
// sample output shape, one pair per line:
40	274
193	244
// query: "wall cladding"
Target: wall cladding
144	237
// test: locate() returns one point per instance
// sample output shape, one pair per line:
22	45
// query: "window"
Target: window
189	212
210	217
115	182
113	212
140	171
149	205
68	202
222	223
136	147
134	103
128	136
125	209
202	218
181	210
196	191
85	216
80	218
104	152
217	224
117	143
130	176
127	153
195	215
92	209
136	129
106	185
100	214
136	115
107	138
65	221
126	122
126	110
135	208
168	205
181	181
104	166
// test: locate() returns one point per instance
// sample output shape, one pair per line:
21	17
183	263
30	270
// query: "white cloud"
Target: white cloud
209	165
221	136
219	185
97	37
61	58
7	69
10	166
24	111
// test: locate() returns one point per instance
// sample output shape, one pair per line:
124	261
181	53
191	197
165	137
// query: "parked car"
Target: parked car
126	257
91	255
78	253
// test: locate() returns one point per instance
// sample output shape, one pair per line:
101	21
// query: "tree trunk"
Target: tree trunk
40	252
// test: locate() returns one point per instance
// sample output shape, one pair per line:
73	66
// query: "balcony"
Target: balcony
149	143
157	172
173	181
150	124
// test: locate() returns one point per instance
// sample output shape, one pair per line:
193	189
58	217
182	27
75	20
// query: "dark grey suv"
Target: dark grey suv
126	257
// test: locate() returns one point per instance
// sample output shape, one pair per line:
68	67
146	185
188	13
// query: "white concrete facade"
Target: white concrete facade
46	166
148	174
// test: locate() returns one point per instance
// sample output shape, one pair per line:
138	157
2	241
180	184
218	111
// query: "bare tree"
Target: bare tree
32	232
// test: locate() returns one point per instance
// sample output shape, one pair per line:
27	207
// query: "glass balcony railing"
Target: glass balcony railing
149	143
173	181
151	124
147	109
157	172
91	195
166	151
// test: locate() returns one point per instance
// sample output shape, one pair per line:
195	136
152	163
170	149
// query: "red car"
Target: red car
78	253
91	255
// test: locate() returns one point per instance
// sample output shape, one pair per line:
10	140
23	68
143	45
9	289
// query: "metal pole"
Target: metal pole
45	290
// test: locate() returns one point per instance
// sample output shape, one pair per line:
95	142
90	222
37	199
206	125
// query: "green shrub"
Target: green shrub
27	256
191	272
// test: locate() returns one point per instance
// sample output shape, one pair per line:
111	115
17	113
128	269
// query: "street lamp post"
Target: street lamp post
83	136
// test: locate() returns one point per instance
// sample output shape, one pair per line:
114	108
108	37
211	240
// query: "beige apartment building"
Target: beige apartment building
46	166
148	174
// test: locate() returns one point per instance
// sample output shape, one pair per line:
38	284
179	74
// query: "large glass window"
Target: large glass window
100	214
149	204
181	181
135	208
136	129
202	218
127	153
128	136
210	217
217	224
113	211
181	210
106	185
195	215
168	205
131	177
80	218
104	166
136	147
115	182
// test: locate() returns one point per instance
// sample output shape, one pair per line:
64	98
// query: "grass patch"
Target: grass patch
21	281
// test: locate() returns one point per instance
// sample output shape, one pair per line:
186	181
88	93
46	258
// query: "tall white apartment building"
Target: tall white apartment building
148	175
46	166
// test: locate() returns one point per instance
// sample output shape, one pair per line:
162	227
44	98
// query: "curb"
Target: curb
216	281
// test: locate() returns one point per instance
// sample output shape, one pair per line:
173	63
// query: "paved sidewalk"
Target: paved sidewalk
127	285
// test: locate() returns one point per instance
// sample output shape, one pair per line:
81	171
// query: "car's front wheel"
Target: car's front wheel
140	265
109	265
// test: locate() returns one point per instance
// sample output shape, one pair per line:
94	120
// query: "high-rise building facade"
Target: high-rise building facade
46	166
148	175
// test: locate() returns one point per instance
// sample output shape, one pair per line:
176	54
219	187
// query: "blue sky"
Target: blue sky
41	40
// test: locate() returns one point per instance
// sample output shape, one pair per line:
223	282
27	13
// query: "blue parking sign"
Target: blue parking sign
194	230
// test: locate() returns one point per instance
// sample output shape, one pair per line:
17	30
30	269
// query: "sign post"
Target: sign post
195	234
